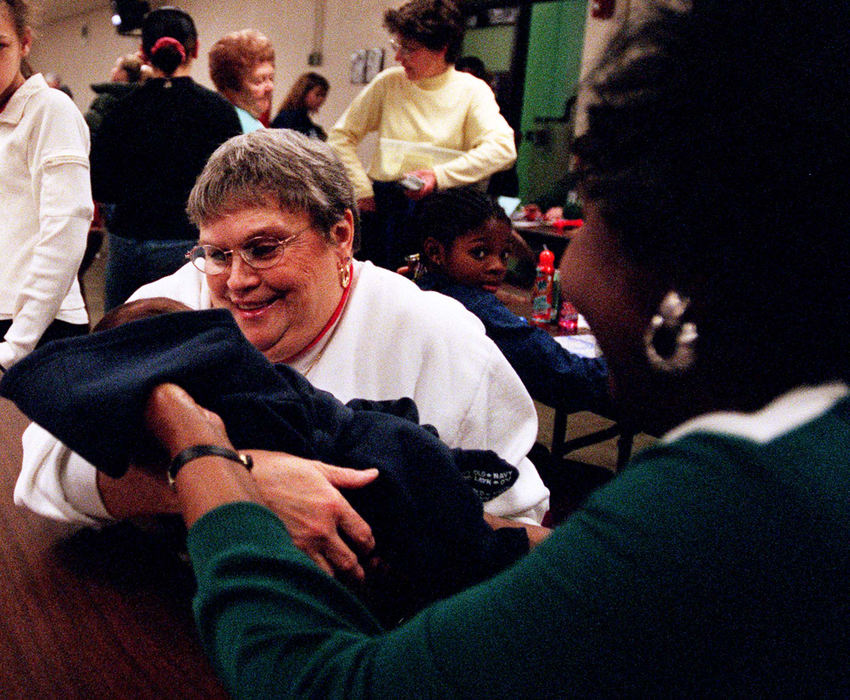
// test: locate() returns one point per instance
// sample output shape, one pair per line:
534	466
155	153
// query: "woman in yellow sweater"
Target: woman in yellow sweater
437	126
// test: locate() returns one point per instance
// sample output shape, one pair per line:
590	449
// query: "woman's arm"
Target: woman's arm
276	626
492	142
303	493
360	118
612	600
57	483
173	417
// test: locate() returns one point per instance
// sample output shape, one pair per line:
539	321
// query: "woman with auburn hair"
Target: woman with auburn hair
304	98
242	70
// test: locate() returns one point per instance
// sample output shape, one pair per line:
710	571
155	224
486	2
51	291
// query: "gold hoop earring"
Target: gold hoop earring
669	340
344	270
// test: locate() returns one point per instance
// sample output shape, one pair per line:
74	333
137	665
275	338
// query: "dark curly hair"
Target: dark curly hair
717	149
433	23
448	214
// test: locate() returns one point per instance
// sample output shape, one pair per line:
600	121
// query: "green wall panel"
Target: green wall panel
556	40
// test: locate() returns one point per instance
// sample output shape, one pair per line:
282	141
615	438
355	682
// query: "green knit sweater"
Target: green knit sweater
718	562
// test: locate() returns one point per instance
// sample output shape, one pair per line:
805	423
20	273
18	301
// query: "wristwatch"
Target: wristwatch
184	456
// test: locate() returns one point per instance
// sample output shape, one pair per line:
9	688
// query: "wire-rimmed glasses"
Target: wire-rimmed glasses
404	47
259	253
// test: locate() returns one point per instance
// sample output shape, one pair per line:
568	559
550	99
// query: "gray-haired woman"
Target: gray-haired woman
277	224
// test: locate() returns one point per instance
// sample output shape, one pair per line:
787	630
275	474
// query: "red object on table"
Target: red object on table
567	223
544	288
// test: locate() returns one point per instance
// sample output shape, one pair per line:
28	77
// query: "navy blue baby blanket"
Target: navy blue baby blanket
90	393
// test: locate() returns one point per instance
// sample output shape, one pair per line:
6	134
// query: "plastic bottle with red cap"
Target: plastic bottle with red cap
543	302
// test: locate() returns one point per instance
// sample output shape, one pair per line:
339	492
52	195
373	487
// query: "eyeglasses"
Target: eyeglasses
260	253
404	48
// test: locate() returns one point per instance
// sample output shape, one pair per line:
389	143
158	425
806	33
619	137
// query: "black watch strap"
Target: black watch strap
184	456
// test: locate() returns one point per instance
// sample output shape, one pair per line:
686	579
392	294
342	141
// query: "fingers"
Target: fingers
347	478
321	562
339	542
356	530
304	495
333	555
343	560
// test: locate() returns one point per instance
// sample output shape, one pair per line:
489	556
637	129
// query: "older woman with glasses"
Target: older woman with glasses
278	225
424	102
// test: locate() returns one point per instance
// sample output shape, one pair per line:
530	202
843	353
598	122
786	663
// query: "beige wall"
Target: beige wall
83	48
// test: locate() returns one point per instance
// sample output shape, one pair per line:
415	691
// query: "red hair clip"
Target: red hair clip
164	41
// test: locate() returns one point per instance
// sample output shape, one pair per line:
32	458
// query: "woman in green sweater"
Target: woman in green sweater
717	562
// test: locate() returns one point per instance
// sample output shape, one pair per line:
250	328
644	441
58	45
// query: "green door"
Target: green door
553	64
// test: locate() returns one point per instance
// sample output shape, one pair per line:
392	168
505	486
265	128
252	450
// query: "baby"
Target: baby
424	508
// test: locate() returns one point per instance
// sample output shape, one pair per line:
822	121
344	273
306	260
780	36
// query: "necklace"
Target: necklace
318	355
329	330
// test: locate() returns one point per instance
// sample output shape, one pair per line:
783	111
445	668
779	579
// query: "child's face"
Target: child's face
479	258
13	49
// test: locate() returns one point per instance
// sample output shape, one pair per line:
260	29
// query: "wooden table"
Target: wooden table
92	614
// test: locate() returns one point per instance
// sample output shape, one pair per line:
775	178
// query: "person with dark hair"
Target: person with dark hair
242	70
304	98
45	205
474	66
716	563
148	152
437	127
466	239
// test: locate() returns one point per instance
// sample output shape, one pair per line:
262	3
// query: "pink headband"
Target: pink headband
164	41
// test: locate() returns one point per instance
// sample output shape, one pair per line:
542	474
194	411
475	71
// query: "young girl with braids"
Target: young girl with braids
148	153
46	203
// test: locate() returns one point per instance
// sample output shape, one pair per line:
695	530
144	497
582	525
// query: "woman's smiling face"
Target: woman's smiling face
280	309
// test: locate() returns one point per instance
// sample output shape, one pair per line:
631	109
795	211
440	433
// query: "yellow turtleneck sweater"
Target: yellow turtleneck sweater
453	110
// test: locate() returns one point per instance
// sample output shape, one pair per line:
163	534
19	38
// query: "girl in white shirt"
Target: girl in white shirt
46	206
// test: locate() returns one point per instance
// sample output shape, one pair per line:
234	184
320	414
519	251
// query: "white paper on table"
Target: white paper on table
584	345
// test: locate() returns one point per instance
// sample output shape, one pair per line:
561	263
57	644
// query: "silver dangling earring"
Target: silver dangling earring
670	341
344	274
